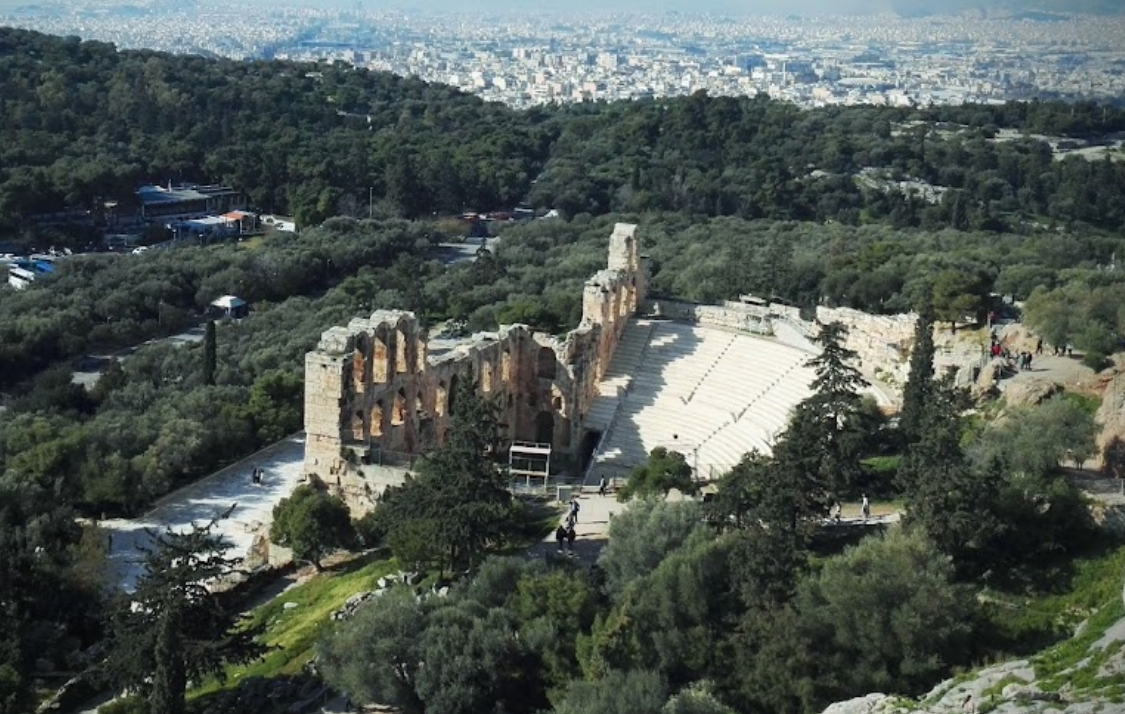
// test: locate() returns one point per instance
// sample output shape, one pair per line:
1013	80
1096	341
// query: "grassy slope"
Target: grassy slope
294	632
1093	596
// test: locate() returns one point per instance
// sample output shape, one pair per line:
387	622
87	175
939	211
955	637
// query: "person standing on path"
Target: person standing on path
570	536
601	486
560	536
574	510
865	508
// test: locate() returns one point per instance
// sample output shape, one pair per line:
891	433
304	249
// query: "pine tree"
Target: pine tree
458	504
919	384
174	629
168	681
817	450
209	354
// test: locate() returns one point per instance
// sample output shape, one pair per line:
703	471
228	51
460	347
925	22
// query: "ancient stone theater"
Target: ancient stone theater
712	382
377	394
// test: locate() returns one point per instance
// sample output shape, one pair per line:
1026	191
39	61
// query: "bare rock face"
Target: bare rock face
870	704
1030	392
987	384
1111	414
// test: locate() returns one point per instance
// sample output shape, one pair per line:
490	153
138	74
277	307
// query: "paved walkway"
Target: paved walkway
1046	367
592	529
213	497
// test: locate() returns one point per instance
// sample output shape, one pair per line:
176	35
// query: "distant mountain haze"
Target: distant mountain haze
732	7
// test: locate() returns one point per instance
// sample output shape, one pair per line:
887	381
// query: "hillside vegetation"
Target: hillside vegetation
881	209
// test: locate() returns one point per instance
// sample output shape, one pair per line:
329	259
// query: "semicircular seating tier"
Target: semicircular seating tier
711	394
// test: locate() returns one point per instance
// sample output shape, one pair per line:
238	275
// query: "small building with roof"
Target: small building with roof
184	200
230	306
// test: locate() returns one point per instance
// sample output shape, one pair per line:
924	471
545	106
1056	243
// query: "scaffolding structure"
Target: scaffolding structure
532	460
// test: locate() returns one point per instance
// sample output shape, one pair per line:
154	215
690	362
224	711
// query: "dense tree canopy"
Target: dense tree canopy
312	523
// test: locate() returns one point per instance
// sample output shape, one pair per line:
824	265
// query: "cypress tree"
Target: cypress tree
209	354
173	628
920	383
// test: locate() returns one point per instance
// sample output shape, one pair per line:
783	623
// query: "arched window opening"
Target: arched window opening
402	351
359	363
486	377
441	399
545	363
357	426
377	419
398	410
379	356
506	367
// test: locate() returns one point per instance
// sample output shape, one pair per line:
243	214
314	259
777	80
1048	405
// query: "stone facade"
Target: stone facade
375	399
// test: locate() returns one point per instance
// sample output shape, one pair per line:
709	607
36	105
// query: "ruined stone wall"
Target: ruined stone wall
375	400
729	315
882	342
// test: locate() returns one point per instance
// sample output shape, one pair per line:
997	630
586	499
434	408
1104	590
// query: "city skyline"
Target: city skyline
524	59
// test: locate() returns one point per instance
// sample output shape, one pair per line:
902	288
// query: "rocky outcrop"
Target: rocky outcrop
1030	392
1088	686
1111	414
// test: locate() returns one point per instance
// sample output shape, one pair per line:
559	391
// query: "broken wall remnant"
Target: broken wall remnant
376	399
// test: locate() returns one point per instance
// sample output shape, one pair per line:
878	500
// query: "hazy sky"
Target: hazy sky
737	7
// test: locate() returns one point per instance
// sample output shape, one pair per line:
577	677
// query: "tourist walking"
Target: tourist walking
865	508
574	510
560	536
570	536
601	486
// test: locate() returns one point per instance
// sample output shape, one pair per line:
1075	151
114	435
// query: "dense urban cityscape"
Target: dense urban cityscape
537	57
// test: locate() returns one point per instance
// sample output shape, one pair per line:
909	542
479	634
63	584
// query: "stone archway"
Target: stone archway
360	359
376	428
398	409
403	347
545	363
380	355
441	400
545	427
485	376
